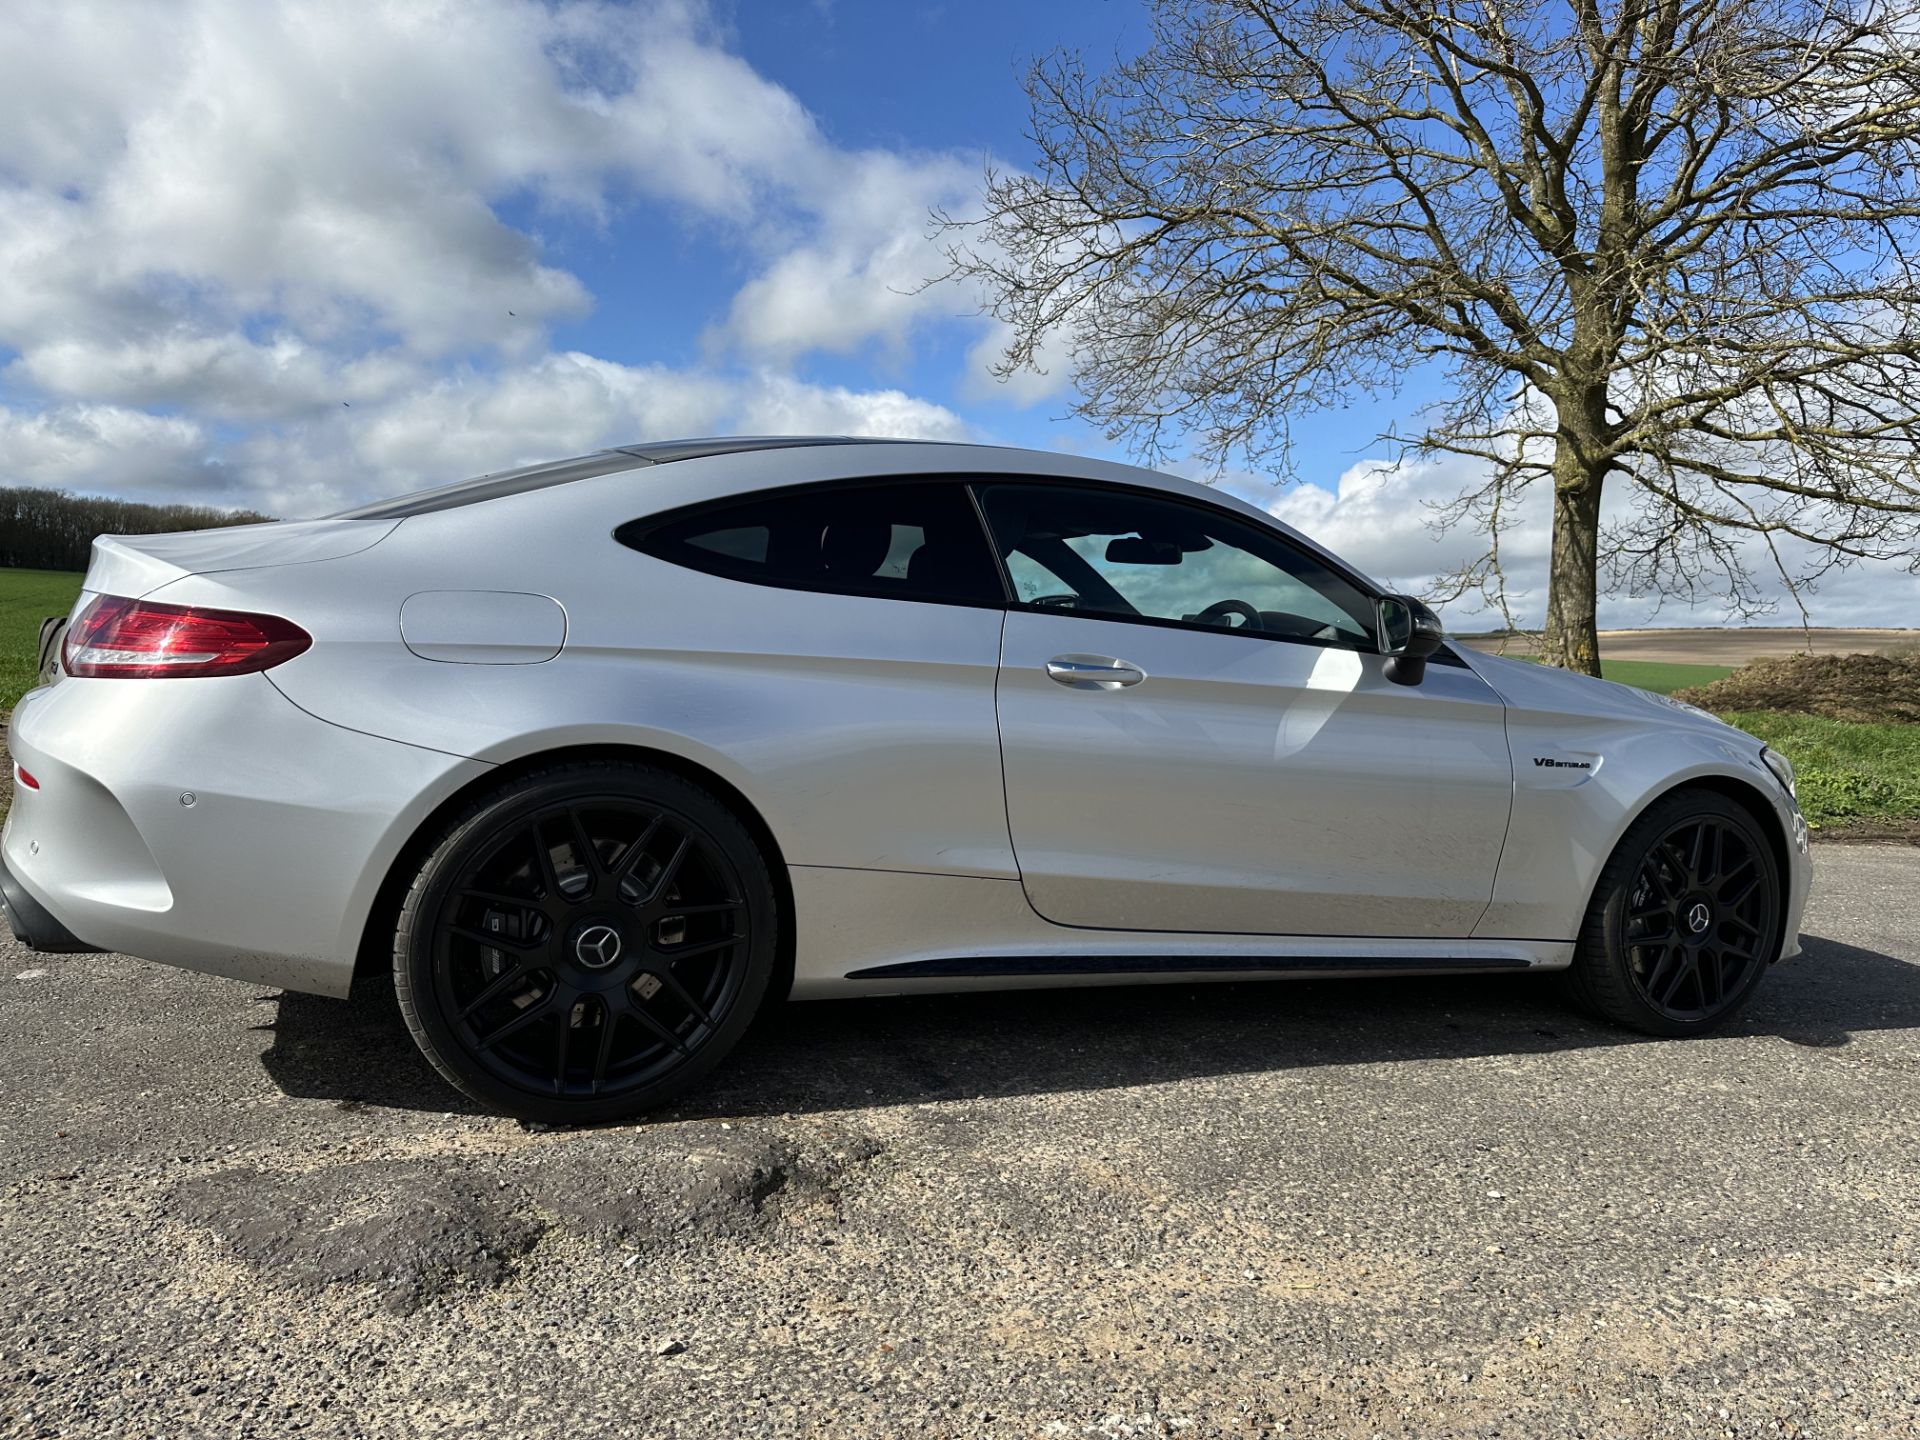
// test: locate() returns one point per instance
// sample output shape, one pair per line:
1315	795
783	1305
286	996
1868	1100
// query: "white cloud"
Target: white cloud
224	376
862	274
776	404
282	225
568	403
458	425
1379	514
105	448
1048	378
337	167
329	164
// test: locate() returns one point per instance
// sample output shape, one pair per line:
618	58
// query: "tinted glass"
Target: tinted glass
1121	554
901	541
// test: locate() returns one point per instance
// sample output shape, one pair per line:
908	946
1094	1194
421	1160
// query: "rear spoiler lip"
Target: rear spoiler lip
137	565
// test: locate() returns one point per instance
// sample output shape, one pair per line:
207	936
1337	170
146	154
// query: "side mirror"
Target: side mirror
1409	633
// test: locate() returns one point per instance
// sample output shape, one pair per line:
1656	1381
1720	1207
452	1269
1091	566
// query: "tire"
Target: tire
586	943
1684	922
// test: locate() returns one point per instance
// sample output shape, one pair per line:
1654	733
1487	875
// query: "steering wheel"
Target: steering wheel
1220	609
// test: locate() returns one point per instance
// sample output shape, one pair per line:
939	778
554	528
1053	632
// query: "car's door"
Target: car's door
1198	733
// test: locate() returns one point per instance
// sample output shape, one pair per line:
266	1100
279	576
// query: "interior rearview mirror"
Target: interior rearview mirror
1132	550
1409	633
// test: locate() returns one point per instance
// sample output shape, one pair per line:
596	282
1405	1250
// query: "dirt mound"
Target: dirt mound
1870	688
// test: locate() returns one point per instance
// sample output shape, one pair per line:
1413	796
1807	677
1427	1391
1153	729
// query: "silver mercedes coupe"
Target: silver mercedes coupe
602	756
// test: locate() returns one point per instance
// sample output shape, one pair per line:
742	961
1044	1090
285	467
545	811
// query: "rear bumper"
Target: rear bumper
210	824
33	924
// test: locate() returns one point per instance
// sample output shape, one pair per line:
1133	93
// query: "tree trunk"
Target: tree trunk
1572	639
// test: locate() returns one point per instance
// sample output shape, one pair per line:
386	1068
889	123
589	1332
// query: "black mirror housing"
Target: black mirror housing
1409	632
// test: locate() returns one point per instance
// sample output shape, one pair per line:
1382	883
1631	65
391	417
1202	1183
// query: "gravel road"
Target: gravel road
1432	1208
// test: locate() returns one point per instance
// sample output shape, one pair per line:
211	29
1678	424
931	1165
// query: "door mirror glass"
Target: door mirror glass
1396	625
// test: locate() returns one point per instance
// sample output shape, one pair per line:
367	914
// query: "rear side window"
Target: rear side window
898	541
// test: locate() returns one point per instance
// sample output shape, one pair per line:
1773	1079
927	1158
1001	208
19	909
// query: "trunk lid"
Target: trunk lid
137	565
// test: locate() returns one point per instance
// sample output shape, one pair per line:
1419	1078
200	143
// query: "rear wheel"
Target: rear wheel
1685	919
586	943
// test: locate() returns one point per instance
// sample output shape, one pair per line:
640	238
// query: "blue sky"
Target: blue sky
912	79
298	253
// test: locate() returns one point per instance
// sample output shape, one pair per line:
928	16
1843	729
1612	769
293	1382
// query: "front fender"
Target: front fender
1580	781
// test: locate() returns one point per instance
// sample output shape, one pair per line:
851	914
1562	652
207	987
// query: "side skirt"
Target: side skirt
1036	965
877	932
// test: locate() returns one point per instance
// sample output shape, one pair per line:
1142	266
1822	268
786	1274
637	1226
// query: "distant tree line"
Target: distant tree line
52	530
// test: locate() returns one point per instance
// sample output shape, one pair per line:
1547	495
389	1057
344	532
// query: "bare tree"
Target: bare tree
1662	247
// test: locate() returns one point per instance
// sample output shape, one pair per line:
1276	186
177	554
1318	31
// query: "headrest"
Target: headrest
855	547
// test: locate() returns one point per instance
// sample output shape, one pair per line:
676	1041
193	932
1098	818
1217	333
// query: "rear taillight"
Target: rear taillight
119	639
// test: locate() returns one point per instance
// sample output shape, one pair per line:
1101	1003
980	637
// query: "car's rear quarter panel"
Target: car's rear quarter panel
268	873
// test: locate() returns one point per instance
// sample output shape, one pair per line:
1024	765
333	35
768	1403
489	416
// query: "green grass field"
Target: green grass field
1662	676
26	598
1849	774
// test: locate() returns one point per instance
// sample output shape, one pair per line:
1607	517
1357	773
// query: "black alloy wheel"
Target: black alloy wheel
1685	921
1698	913
586	944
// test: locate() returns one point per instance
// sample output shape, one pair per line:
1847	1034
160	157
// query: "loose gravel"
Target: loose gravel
1382	1208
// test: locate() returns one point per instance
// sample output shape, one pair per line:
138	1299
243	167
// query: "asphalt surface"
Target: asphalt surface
1433	1208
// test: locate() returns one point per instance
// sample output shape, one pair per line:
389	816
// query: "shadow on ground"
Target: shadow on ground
834	1055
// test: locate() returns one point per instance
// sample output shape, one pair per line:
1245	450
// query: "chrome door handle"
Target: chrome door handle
1093	672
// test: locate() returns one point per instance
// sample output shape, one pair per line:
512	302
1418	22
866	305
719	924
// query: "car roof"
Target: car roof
1040	464
546	473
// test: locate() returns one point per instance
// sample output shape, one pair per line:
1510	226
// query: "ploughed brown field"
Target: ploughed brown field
1716	646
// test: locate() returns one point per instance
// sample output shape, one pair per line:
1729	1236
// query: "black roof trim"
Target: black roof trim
492	487
661	452
585	467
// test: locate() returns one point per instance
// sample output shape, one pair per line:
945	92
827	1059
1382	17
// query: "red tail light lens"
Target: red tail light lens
119	639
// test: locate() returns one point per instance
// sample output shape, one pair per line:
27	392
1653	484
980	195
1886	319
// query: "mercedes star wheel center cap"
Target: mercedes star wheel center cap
598	946
1697	918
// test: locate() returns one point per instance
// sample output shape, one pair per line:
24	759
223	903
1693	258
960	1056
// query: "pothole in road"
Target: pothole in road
416	1228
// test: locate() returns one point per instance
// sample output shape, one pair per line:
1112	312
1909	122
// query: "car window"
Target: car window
1118	553
901	540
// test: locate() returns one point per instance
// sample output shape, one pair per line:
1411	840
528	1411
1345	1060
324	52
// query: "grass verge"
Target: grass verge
1854	778
26	598
1662	676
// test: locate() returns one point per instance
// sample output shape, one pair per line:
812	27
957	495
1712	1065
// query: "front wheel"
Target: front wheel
586	943
1685	920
